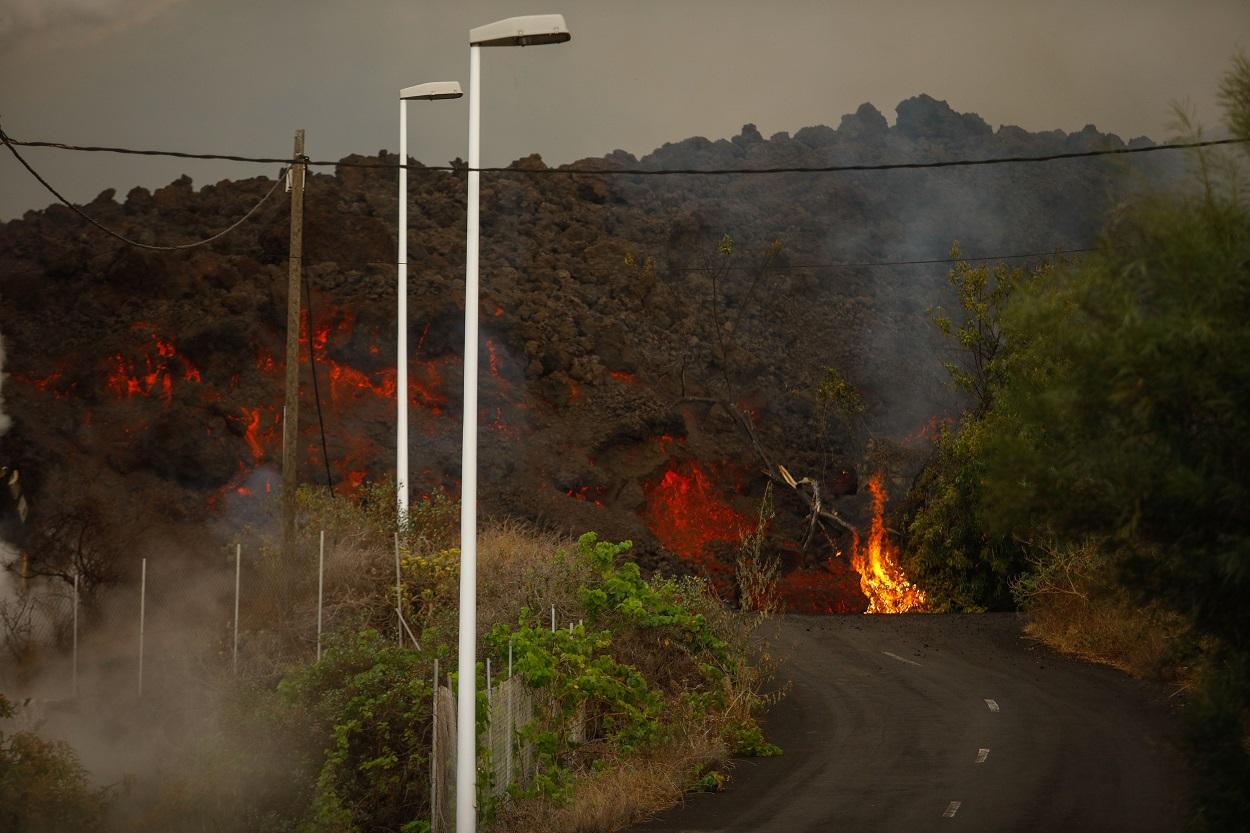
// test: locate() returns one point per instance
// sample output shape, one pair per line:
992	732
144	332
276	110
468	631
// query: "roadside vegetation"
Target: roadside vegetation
1100	478
645	689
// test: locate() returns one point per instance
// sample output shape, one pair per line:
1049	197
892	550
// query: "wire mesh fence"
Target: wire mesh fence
179	628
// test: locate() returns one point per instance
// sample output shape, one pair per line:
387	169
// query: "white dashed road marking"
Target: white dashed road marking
951	810
902	659
982	754
992	705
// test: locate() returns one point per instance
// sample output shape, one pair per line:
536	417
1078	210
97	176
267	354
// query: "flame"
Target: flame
928	432
687	514
880	576
623	376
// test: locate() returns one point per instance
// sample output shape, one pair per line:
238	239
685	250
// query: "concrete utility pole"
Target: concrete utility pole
290	432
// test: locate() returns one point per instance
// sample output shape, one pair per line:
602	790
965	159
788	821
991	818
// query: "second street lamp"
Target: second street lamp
533	30
432	91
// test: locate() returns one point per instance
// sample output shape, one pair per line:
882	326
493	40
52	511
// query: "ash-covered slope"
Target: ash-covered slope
147	386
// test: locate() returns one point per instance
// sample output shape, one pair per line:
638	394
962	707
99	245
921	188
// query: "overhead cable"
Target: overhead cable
618	171
789	267
9	143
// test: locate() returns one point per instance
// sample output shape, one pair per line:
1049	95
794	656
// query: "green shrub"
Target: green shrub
43	786
370	702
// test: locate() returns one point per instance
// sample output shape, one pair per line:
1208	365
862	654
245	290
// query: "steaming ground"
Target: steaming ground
894	724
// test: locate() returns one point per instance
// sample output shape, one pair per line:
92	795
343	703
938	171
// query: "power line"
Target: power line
9	143
312	365
790	267
569	171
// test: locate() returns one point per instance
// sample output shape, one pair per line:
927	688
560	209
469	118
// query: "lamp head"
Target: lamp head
530	30
432	91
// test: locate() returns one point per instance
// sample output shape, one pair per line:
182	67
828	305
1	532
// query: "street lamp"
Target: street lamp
432	91
532	30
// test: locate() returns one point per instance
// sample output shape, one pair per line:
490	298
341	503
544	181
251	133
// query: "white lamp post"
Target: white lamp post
432	91
532	30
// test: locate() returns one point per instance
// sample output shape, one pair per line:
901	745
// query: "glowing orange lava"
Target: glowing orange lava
592	494
687	514
252	433
155	377
819	590
880	576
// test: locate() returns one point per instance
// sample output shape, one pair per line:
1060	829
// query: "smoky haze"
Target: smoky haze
239	77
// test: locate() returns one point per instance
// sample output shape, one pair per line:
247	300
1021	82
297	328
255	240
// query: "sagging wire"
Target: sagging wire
617	171
9	143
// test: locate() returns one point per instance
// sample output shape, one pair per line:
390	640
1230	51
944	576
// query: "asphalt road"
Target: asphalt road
960	723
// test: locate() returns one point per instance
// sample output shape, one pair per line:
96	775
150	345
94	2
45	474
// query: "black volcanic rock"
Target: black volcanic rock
924	117
605	366
865	124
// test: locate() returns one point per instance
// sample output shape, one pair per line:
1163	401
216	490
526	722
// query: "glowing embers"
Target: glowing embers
825	589
689	516
880	576
590	494
350	384
261	430
153	376
929	432
51	383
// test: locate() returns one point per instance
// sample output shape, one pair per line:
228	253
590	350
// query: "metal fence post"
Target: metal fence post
238	571
434	762
508	722
143	592
321	570
399	599
75	673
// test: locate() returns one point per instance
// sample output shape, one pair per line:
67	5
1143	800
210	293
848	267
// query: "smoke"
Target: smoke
4	418
7	553
23	22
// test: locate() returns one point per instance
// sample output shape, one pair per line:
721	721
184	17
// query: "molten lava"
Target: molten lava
880	576
592	494
687	514
155	377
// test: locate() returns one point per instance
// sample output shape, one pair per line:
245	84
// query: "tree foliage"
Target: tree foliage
1112	411
947	547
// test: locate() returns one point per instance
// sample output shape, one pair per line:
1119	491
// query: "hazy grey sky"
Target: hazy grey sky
239	76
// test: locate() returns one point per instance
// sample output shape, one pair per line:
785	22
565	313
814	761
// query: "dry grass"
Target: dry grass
1073	607
627	790
522	566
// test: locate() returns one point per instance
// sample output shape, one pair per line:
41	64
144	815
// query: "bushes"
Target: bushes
371	701
1110	440
43	787
946	548
647	654
647	698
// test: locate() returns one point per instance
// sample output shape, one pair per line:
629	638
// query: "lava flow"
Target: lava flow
687	515
880	576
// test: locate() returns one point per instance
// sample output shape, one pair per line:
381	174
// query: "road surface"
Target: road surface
960	723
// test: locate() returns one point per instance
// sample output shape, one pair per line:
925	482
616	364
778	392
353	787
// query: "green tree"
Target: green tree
1123	419
946	547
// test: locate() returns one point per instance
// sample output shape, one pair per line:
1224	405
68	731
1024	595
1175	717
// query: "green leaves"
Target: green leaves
371	700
